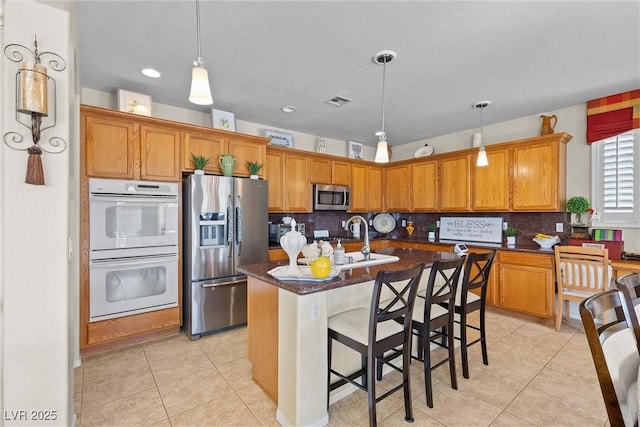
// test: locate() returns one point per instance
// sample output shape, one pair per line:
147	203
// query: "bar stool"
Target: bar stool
432	321
374	331
476	278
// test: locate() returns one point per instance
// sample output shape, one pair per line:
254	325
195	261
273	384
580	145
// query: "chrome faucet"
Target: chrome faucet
366	250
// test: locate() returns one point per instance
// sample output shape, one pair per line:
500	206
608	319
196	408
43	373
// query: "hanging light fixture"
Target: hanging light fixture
482	154
382	152
200	90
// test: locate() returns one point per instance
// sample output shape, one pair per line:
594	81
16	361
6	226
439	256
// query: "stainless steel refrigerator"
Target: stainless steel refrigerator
225	223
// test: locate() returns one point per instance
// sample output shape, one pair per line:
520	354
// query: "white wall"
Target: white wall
37	348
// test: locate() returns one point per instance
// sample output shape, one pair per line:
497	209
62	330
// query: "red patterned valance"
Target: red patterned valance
613	115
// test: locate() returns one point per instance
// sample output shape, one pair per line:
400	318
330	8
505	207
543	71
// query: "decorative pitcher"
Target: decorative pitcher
227	164
547	127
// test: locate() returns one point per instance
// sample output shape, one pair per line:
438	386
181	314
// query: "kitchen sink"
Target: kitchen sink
359	261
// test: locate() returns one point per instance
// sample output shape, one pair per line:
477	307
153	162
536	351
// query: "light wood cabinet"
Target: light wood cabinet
424	179
366	188
375	192
526	282
213	145
201	144
397	188
298	179
247	149
275	176
490	185
340	173
327	171
454	183
160	153
320	171
118	146
539	174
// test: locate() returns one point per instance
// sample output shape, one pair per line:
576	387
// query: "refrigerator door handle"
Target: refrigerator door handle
229	226
212	286
238	239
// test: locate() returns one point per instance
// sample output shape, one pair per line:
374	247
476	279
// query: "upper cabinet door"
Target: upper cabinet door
320	171
490	184
110	146
210	146
340	173
424	178
274	174
539	176
374	176
359	193
247	151
298	188
455	183
397	188
160	153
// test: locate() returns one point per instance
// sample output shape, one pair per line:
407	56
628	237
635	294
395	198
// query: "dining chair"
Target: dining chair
373	331
472	296
615	354
629	286
580	273
433	323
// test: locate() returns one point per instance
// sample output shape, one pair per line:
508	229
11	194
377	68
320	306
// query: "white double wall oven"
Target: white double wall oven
133	242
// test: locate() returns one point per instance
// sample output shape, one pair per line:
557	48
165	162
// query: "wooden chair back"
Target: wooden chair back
476	275
614	349
584	270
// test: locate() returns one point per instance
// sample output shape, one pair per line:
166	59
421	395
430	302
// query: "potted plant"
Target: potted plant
578	205
199	162
254	168
431	228
511	235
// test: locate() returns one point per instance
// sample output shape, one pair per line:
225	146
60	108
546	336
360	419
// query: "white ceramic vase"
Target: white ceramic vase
292	242
511	240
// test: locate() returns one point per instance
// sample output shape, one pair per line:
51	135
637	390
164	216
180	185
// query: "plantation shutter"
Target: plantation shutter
618	174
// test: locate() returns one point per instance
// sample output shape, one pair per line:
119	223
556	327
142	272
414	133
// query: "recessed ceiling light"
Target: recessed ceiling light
150	72
288	109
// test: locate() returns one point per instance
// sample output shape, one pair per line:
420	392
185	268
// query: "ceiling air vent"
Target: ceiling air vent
337	101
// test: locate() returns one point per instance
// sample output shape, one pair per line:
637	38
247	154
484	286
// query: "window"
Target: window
616	180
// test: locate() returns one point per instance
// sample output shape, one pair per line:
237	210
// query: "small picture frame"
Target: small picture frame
355	150
279	139
224	120
135	103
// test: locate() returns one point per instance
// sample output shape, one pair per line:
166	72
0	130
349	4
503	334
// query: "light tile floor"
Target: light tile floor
535	376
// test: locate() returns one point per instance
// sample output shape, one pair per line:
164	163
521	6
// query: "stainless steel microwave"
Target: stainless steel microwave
330	198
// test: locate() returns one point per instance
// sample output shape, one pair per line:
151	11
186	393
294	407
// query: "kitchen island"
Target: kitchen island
287	331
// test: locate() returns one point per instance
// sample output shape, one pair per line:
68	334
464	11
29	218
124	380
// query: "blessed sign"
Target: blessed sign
470	229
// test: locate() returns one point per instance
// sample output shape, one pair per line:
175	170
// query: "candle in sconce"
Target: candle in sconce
32	93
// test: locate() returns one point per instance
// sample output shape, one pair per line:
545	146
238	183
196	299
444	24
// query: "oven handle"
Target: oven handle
129	199
212	286
133	261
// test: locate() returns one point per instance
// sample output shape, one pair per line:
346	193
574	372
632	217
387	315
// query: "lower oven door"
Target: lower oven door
125	286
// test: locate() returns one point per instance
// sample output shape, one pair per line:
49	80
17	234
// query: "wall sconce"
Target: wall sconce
35	106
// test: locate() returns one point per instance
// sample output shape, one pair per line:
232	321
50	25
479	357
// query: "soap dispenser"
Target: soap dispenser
338	254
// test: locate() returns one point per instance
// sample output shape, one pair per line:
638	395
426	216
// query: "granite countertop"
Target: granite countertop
408	258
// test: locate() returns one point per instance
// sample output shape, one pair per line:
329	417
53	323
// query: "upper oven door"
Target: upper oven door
124	221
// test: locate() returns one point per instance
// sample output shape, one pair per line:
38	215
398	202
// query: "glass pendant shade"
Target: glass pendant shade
482	158
200	90
382	152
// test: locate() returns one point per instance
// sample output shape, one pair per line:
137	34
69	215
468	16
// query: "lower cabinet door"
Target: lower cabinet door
527	289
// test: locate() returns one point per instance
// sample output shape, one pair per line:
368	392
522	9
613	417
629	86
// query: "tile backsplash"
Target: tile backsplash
527	223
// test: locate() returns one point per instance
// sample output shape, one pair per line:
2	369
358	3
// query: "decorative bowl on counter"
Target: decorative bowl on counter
546	243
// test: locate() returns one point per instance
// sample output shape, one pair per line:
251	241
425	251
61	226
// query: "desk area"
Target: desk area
287	331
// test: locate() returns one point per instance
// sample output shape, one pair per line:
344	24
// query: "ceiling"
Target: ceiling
527	57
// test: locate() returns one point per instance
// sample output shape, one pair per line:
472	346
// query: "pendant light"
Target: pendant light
200	90
382	152
482	154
